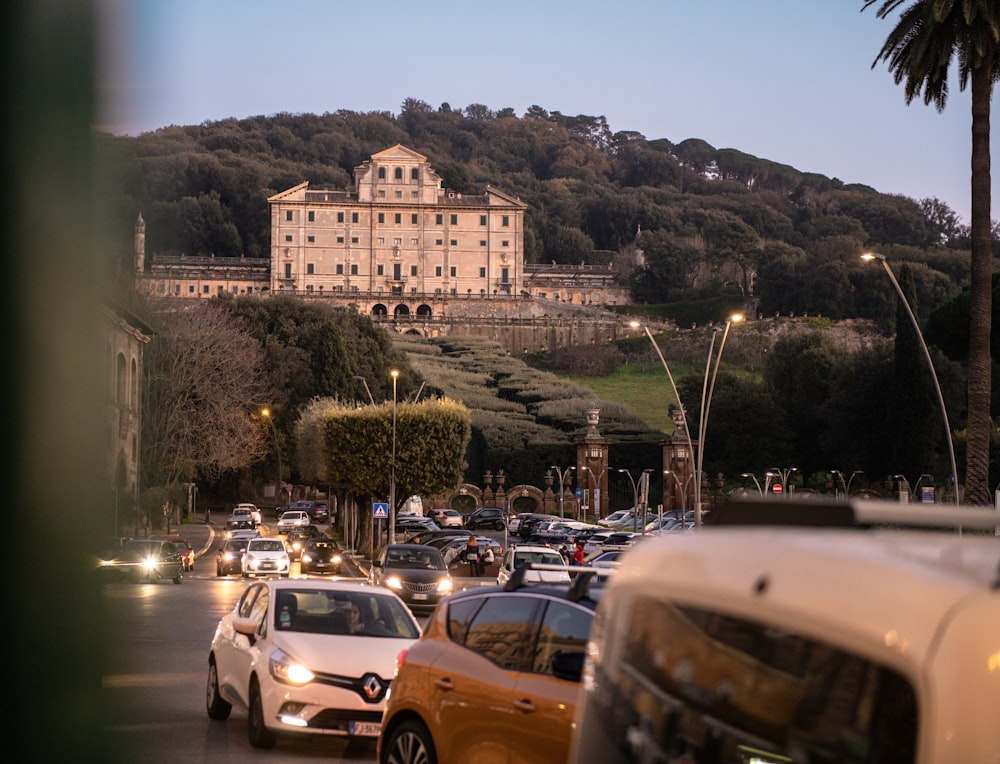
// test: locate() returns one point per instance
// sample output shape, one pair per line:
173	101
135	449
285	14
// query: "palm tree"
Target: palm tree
920	50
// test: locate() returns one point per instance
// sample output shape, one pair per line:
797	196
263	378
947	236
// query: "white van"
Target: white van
770	643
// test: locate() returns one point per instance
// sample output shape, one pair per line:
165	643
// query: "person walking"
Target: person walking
472	556
578	554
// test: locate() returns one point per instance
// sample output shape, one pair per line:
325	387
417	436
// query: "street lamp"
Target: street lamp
367	389
681	487
635	498
760	490
916	488
778	472
868	257
706	403
597	488
392	474
266	413
562	486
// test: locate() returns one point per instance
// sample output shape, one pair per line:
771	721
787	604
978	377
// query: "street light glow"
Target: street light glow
870	256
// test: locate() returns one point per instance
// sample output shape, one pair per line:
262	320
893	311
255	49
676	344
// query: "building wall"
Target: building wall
398	232
125	340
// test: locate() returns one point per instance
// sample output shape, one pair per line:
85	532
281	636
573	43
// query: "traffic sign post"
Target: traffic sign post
380	510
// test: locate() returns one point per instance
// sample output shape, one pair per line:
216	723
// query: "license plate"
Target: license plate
365	729
419	596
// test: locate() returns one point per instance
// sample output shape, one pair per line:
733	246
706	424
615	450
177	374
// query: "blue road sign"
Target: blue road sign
380	510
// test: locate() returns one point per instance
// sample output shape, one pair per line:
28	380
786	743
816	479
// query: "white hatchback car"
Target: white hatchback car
265	556
519	555
248	509
308	656
293	518
760	641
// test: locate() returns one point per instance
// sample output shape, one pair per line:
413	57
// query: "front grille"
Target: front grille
371	688
420	588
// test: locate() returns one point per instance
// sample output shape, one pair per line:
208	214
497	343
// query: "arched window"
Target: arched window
120	380
134	384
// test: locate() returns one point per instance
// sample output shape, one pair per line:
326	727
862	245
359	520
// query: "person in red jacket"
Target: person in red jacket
578	554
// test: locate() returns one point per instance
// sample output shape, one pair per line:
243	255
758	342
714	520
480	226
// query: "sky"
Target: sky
790	81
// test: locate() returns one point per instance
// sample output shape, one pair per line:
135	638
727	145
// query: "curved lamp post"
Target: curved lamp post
868	257
635	499
707	390
266	413
562	486
756	482
392	473
367	389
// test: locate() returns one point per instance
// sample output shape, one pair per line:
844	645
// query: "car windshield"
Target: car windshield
427	559
138	548
314	545
528	558
265	545
319	611
237	546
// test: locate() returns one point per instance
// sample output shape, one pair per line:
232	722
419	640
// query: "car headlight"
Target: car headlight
149	563
287	670
306	557
444	585
336	559
394	582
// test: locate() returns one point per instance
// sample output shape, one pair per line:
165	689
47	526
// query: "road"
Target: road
154	673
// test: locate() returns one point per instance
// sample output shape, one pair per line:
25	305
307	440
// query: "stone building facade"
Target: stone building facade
398	237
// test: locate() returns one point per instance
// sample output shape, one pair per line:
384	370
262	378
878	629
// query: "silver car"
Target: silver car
294	518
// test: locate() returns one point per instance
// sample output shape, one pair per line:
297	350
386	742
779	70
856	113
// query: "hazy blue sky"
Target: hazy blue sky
787	80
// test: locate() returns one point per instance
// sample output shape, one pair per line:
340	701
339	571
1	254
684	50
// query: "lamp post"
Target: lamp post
756	482
868	257
367	389
597	487
562	486
778	472
392	473
916	488
266	413
635	498
681	487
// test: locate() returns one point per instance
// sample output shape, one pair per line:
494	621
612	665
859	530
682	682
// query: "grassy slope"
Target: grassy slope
643	387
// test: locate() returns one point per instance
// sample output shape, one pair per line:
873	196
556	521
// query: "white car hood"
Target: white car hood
351	655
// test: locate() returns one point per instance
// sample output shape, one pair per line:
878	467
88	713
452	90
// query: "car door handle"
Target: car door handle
444	684
525	705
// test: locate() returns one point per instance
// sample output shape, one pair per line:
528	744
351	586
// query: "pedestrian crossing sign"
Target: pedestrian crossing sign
380	510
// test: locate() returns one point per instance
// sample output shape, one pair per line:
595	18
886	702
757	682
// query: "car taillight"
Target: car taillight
401	658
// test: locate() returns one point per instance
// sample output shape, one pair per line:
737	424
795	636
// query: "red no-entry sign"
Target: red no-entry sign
776	488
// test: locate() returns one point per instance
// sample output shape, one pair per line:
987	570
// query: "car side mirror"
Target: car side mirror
376	563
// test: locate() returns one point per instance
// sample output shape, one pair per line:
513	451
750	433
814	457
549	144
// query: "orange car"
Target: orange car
494	677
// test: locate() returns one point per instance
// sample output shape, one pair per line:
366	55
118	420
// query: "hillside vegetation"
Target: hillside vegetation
713	221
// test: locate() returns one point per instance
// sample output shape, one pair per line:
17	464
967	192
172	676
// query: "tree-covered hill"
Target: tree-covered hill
711	220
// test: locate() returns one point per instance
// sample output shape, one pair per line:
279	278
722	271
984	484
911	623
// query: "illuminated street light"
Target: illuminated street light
266	413
868	257
756	482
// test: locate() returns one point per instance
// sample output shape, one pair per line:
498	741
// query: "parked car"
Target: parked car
446	518
411	524
229	559
307	657
320	555
495	676
265	556
424	536
318	511
528	521
451	548
415	572
297	537
247	508
528	554
293	518
146	560
485	518
800	631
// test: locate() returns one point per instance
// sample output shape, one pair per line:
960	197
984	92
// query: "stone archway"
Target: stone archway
525	498
463	499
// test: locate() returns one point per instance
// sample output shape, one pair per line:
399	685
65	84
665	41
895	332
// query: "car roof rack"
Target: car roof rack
857	513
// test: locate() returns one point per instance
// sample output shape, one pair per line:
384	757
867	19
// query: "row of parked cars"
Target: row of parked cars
806	633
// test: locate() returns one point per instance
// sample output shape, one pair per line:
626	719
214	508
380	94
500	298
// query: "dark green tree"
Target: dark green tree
929	35
914	418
